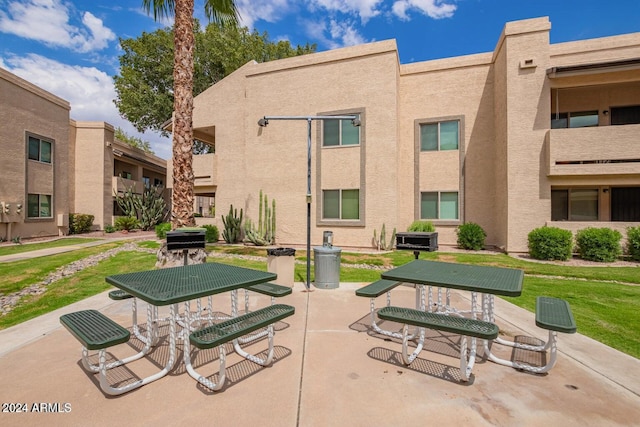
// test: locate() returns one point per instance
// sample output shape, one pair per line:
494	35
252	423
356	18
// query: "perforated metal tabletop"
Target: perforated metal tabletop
173	285
474	278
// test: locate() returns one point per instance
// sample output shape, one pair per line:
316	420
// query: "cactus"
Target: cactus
265	232
381	243
232	226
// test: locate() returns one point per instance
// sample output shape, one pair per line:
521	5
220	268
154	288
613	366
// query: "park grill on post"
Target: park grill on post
185	239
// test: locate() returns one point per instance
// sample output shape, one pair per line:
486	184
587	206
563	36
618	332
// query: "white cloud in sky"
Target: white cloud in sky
436	9
364	9
48	21
272	11
89	91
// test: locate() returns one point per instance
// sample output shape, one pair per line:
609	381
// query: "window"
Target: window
625	115
340	132
341	204
39	150
439	205
625	204
146	181
39	206
575	204
578	119
439	136
157	182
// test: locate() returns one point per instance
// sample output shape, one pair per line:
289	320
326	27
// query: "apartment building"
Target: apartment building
52	166
528	135
34	160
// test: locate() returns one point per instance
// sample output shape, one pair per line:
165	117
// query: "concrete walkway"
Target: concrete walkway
330	370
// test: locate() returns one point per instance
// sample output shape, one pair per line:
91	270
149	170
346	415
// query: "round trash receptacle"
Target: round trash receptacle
326	262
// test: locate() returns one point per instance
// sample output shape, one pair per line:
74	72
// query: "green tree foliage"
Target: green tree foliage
144	87
133	141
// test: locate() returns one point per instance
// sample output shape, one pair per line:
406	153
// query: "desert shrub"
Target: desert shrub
80	223
471	236
550	243
162	228
109	228
633	243
599	244
126	223
421	226
211	234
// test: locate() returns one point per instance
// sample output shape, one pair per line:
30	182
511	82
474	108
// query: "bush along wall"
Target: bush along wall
550	243
599	244
471	236
633	243
80	223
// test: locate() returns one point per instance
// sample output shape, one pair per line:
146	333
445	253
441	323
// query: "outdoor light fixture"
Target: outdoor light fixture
263	122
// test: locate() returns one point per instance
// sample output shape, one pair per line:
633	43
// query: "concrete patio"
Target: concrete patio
330	370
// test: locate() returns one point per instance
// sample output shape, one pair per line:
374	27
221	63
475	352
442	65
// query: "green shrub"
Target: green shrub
80	223
126	223
421	226
633	243
471	236
599	244
162	228
109	228
211	234
550	243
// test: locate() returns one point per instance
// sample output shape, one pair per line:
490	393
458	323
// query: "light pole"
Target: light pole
263	122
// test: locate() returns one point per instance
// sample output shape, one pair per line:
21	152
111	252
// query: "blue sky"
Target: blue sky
71	47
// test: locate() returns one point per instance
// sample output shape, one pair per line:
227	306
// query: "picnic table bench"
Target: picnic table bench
95	331
553	315
462	326
219	334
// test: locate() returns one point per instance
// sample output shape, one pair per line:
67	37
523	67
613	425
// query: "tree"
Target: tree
224	12
145	85
133	141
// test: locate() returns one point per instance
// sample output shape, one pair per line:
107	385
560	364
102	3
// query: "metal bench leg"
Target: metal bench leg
201	379
406	358
255	359
104	367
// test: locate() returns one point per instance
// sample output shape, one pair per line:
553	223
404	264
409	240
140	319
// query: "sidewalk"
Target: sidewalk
330	370
106	238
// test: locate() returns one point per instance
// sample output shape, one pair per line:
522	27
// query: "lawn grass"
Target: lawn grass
81	285
27	247
604	310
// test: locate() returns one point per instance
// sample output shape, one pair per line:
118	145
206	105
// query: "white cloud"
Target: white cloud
334	34
89	91
436	9
272	11
365	9
48	21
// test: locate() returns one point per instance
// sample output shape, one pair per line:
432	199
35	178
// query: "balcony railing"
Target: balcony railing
120	185
603	150
205	167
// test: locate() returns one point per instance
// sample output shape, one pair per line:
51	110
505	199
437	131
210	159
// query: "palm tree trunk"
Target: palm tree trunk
182	195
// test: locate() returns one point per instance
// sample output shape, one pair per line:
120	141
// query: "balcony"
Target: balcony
120	185
602	150
205	167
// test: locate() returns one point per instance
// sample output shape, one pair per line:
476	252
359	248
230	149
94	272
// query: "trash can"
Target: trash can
281	261
326	262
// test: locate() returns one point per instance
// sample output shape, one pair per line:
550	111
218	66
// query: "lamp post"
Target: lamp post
263	122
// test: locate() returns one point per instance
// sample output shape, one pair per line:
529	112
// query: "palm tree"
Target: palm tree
223	12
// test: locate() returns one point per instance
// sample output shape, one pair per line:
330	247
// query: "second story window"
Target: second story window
440	136
340	132
39	150
578	119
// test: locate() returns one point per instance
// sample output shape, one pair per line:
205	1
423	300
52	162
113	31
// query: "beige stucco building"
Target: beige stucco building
513	139
52	166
